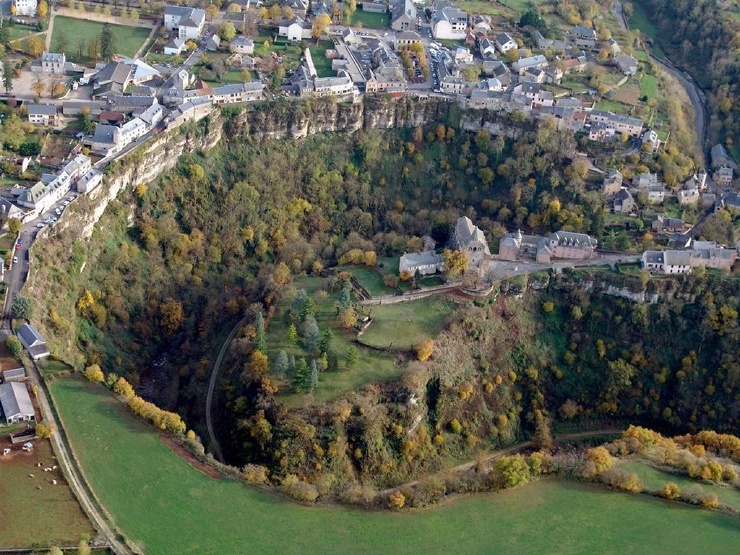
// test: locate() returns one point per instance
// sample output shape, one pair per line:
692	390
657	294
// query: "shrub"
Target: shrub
670	491
510	472
14	346
255	473
621	479
396	500
94	373
597	461
709	501
299	490
425	350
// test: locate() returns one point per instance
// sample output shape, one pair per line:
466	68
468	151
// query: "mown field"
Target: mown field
128	39
165	506
33	511
404	325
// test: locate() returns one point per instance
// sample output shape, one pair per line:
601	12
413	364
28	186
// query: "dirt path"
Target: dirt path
49	30
212	386
495	454
71	471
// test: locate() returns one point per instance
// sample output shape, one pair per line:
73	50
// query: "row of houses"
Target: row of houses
702	254
565	245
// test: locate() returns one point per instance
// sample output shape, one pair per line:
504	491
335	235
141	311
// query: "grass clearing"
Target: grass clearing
370	279
165	506
320	61
51	367
404	325
372	366
370	20
34	512
649	86
128	39
655	479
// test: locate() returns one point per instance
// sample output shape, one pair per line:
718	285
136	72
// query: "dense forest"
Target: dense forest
176	263
704	37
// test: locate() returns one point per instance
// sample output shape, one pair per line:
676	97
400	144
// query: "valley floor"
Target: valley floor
163	505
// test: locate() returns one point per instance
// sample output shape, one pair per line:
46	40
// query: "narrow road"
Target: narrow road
495	454
212	386
70	468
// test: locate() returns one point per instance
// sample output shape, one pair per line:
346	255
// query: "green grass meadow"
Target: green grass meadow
404	325
370	20
165	506
370	279
655	479
649	86
128	39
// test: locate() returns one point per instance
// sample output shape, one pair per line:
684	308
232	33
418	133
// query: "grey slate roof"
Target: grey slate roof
416	259
105	134
15	400
30	336
42	110
14	374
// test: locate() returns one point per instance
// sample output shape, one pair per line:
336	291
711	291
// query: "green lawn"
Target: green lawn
640	20
648	86
404	325
370	20
370	279
128	39
33	510
50	367
165	506
320	61
611	106
21	31
372	366
655	479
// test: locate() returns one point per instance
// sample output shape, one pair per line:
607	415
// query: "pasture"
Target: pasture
405	325
34	512
164	506
128	39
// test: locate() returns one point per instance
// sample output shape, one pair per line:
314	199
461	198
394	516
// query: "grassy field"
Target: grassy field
50	367
649	86
370	279
128	39
33	511
655	479
166	506
639	19
370	20
404	325
371	366
320	61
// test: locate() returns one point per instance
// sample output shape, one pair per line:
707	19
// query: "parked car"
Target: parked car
40	225
15	260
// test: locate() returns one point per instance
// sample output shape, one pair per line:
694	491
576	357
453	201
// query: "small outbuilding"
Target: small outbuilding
32	340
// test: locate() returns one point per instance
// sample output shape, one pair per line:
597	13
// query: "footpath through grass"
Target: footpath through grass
165	506
128	39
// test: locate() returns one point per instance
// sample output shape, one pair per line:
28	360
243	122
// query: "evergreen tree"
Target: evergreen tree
308	309
107	42
260	343
281	364
325	343
311	334
8	75
296	305
350	358
312	380
291	366
292	334
300	376
345	298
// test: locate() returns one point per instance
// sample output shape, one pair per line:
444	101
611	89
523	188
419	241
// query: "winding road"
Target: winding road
495	454
215	448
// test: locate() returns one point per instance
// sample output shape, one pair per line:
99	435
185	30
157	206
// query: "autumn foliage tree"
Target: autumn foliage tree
425	349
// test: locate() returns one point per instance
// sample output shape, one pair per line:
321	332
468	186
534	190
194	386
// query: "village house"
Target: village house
480	24
504	43
663	224
626	64
449	23
620	124
689	196
213	43
470	239
53	62
486	47
403	15
405	39
186	23
32	340
612	182
26	8
43	114
295	30
582	37
16	403
89	181
624	202
523	64
561	244
650	140
667	262
241	45
720	157
426	263
703	254
722	176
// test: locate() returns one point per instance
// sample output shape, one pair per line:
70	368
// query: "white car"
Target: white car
15	260
40	225
65	203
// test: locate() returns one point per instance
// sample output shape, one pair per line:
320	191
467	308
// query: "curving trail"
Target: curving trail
495	454
215	448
